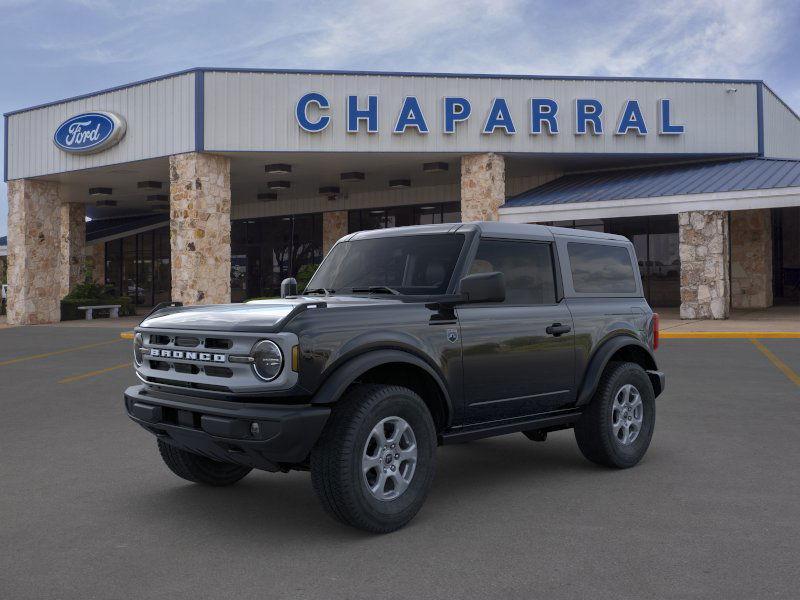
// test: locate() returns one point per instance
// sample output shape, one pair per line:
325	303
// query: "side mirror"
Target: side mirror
288	287
483	287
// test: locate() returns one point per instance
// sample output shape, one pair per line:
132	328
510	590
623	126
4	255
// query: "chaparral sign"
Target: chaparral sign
588	116
90	132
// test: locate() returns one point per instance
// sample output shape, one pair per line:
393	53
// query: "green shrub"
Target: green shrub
304	275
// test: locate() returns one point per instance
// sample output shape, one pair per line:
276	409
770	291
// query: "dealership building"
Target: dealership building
212	185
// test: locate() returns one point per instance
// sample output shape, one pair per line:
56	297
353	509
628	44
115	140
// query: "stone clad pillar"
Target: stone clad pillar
334	227
703	247
96	256
34	242
751	258
483	186
72	246
200	228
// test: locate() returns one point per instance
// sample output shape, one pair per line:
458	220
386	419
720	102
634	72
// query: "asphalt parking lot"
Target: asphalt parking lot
87	509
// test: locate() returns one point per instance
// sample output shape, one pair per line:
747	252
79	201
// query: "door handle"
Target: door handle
557	329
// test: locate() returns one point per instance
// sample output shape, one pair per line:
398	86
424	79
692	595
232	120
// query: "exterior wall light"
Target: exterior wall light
435	167
399	183
100	191
352	176
279	185
278	168
267	196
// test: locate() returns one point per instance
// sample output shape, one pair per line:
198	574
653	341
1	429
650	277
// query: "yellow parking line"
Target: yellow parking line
93	373
736	335
54	353
126	335
779	364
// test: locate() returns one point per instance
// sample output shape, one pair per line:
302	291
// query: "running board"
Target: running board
549	422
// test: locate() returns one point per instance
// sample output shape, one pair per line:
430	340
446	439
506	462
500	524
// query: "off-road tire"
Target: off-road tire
594	431
199	469
336	467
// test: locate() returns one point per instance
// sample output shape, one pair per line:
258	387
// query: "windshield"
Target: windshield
410	264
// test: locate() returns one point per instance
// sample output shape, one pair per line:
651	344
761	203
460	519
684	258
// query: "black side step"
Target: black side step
539	422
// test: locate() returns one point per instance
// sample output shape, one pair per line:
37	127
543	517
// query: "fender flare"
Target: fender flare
340	379
600	359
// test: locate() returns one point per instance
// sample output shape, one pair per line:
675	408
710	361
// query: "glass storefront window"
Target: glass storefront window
400	216
138	266
266	251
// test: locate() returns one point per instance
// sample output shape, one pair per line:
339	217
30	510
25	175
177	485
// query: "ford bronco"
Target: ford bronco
406	339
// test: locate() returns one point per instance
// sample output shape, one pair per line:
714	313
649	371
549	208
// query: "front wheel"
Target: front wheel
617	425
373	466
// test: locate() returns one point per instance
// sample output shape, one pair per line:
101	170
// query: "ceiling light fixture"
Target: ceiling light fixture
106	203
277	168
149	185
399	183
329	189
267	196
352	176
158	198
435	167
100	191
279	185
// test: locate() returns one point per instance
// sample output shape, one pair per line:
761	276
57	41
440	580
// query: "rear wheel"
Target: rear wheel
199	469
617	425
373	466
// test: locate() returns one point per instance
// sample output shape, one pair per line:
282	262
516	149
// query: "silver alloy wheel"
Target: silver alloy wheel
627	414
389	458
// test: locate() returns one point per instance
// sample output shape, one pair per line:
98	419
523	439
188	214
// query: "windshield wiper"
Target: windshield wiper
324	291
375	289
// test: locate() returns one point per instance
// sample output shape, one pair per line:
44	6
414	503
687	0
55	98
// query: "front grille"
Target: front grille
218	344
188	384
213	371
192	359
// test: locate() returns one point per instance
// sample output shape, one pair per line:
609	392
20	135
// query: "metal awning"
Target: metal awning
668	189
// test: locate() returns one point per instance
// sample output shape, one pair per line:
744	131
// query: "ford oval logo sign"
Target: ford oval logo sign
90	132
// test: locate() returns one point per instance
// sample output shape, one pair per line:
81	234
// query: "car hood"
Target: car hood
257	315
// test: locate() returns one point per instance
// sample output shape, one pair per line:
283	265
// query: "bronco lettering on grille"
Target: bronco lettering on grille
182	354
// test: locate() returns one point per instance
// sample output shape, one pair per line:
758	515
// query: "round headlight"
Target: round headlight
268	360
138	342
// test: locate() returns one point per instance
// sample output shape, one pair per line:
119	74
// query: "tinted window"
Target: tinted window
410	264
526	266
599	269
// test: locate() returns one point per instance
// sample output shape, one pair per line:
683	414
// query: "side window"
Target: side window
601	269
527	267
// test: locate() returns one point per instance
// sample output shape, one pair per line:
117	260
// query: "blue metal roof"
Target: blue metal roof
671	180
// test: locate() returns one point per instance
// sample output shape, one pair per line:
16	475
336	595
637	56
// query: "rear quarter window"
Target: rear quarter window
601	269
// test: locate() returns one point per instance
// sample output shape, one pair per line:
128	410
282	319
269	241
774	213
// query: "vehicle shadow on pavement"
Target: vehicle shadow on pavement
473	471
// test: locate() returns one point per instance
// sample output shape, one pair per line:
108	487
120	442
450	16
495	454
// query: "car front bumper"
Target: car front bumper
262	436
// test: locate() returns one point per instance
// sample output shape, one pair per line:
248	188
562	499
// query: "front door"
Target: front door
519	355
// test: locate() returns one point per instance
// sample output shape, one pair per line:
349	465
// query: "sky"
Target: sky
56	49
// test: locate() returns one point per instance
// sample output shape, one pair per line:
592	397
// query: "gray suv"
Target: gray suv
404	340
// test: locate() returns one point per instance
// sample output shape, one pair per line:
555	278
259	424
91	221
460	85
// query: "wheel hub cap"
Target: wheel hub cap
389	459
627	414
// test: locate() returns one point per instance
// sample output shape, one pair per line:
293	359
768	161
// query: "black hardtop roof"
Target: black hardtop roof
486	228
